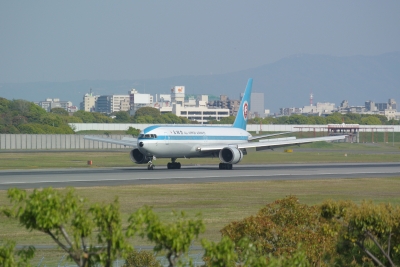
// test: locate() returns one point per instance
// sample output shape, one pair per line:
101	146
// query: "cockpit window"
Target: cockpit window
148	136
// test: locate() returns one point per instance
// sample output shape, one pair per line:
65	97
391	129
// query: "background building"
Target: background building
89	102
257	108
50	103
137	100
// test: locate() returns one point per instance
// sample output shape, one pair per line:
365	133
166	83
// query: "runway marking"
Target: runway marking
192	177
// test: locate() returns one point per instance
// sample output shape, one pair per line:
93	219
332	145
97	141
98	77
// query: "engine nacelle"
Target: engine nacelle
137	156
230	155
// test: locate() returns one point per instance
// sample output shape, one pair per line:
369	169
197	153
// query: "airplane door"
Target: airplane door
204	138
166	138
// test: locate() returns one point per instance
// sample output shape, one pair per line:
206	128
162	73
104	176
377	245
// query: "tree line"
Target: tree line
282	233
20	116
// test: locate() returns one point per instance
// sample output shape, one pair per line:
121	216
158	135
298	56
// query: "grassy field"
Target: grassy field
219	203
316	152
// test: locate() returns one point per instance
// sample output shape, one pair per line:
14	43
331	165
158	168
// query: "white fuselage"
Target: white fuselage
181	141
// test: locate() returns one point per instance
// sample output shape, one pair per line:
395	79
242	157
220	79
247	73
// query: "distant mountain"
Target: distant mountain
285	83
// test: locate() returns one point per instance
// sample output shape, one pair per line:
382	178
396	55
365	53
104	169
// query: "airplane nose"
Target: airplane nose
141	144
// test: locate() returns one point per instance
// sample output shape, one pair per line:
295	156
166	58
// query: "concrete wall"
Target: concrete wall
54	141
71	141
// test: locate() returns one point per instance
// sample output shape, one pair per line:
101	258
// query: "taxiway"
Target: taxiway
191	174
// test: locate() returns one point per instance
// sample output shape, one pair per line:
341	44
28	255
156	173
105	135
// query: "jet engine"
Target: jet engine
230	155
137	156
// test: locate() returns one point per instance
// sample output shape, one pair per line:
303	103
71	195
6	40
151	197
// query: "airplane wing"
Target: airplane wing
271	144
126	141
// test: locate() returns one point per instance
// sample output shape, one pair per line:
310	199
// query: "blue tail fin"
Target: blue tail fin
244	109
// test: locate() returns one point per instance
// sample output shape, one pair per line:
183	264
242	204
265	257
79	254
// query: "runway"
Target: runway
191	174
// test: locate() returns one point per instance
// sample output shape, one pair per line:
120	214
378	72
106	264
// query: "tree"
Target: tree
147	111
70	223
334	118
141	259
121	117
133	131
279	227
224	120
226	253
370	120
298	119
59	111
374	229
175	238
8	256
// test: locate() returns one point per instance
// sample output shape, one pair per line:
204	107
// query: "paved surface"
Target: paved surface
191	174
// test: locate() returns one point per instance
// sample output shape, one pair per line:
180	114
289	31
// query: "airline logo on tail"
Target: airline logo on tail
245	110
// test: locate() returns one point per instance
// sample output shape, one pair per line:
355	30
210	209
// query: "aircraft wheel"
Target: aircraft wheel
169	166
178	165
225	166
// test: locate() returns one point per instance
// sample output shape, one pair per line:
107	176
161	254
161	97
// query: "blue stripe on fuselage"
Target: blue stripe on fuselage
196	137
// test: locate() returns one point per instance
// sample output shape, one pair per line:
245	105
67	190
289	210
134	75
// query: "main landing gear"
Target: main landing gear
173	164
225	166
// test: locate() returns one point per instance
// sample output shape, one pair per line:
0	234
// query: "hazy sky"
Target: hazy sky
110	40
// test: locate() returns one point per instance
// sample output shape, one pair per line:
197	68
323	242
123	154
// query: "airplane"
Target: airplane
228	143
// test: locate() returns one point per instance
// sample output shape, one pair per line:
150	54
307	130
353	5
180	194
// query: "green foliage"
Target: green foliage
224	120
122	117
92	117
221	254
133	131
374	229
20	116
59	111
370	120
66	218
334	118
175	238
147	111
8	257
141	259
244	253
153	115
280	226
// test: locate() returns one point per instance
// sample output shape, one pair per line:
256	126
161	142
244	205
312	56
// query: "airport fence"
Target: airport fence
368	133
55	142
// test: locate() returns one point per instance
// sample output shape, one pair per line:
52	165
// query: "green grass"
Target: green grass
219	203
319	152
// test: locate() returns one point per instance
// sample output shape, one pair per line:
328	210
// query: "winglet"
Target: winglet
244	109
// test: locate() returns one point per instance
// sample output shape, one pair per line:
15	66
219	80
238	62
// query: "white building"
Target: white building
320	108
50	103
137	100
201	114
89	102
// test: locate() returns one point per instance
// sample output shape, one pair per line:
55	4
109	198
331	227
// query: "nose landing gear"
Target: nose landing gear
150	165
